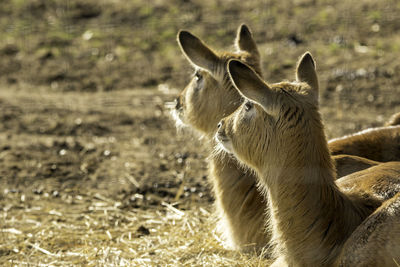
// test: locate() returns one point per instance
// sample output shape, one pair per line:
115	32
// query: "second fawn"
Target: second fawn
278	132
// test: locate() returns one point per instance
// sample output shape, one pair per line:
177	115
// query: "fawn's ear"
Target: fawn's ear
306	72
250	84
196	51
245	42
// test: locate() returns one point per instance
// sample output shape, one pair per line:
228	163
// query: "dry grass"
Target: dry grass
93	230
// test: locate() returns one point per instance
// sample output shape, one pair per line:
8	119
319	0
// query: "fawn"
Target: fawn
207	99
278	132
376	242
379	144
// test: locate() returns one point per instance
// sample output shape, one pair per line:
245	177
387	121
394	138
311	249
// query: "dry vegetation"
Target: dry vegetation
96	231
92	171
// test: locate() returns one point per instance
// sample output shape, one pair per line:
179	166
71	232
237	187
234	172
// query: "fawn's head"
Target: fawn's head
276	122
210	95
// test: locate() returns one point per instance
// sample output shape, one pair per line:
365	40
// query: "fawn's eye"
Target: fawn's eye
248	106
198	76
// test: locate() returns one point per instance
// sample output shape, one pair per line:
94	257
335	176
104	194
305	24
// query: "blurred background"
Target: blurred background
88	151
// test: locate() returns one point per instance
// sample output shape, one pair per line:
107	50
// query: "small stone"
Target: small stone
141	231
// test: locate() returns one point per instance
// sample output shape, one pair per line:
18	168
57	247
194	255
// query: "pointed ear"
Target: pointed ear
249	84
306	72
245	42
196	51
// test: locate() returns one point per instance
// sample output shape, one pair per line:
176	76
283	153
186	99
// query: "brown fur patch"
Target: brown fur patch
311	216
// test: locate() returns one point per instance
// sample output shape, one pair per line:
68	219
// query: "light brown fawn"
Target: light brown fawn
278	132
376	242
207	99
380	144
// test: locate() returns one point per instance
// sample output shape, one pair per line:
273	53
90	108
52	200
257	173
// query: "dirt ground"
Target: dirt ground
92	169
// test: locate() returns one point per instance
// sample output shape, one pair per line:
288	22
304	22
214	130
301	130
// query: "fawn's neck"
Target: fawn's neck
228	173
310	217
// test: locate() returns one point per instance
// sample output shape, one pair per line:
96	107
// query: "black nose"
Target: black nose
178	103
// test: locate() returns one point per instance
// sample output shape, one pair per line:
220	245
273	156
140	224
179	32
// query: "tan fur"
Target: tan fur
209	97
279	133
394	120
347	164
376	242
206	101
379	144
